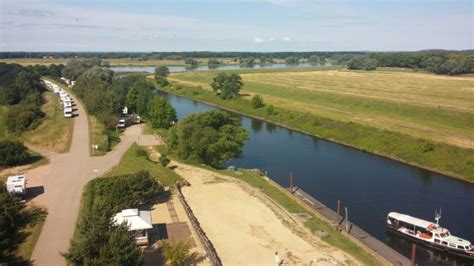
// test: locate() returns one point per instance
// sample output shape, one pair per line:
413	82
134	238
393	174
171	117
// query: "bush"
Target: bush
13	153
141	153
257	101
176	253
427	145
23	117
271	110
164	160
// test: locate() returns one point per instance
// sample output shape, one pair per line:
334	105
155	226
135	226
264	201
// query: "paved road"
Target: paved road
63	186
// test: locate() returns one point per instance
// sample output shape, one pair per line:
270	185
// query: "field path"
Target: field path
63	185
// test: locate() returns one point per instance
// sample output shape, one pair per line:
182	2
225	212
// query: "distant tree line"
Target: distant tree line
438	62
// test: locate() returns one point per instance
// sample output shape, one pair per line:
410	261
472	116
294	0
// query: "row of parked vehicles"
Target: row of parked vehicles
64	98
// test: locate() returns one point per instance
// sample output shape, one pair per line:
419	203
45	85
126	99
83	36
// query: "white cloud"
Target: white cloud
286	39
259	40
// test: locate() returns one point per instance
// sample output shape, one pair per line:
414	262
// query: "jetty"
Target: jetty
353	230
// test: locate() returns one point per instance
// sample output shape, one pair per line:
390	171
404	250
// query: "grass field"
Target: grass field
131	163
418	104
374	119
55	132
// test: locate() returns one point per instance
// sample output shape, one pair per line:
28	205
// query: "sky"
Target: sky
226	25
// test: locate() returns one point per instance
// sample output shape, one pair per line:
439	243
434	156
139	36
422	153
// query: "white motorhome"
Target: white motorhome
68	112
67	104
16	185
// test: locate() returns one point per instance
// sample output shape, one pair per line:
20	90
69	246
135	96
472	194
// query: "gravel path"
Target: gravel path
63	184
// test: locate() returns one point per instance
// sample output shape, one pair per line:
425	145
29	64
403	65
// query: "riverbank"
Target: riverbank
278	221
438	157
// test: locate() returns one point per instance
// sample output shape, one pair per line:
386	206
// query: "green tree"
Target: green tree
257	101
314	59
120	249
164	160
161	73
176	253
13	153
210	137
161	112
362	63
213	62
191	61
23	117
11	217
292	60
227	85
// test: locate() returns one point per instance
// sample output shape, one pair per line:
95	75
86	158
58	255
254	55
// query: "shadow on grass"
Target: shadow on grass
30	217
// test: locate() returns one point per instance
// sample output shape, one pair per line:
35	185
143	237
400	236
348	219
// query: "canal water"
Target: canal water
370	186
176	69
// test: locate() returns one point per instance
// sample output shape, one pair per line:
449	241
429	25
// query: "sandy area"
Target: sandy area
247	229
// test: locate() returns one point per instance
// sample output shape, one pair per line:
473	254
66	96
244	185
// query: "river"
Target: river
369	185
177	69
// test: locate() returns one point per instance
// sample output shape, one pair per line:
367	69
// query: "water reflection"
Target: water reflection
257	125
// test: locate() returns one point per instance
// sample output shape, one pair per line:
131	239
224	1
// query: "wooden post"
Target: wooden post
291	182
338	209
413	254
347	221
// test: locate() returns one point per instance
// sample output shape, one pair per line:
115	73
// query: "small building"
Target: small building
16	185
138	222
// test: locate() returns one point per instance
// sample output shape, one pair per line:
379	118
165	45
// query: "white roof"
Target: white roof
135	219
411	220
16	179
67	109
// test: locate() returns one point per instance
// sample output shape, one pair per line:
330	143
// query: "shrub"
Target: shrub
141	153
13	153
23	117
257	101
176	253
164	160
271	110
427	145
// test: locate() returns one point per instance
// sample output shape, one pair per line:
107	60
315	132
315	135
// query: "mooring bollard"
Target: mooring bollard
413	254
347	221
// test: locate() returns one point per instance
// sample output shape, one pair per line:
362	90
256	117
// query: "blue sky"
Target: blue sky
251	25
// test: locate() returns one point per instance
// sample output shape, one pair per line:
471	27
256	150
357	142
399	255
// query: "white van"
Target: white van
16	185
68	112
67	104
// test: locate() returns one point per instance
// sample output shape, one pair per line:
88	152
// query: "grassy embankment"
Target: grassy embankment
294	206
35	221
132	162
55	132
422	119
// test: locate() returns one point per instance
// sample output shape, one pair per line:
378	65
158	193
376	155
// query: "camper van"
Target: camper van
16	185
121	123
68	112
67	104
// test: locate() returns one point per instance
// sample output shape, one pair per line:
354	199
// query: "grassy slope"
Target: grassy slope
292	205
418	104
449	159
32	231
131	163
55	132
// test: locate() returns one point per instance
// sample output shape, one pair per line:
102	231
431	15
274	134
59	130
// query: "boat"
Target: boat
429	234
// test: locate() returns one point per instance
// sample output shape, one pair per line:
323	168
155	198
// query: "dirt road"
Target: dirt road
63	182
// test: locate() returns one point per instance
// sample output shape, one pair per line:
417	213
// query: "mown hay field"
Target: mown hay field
419	104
